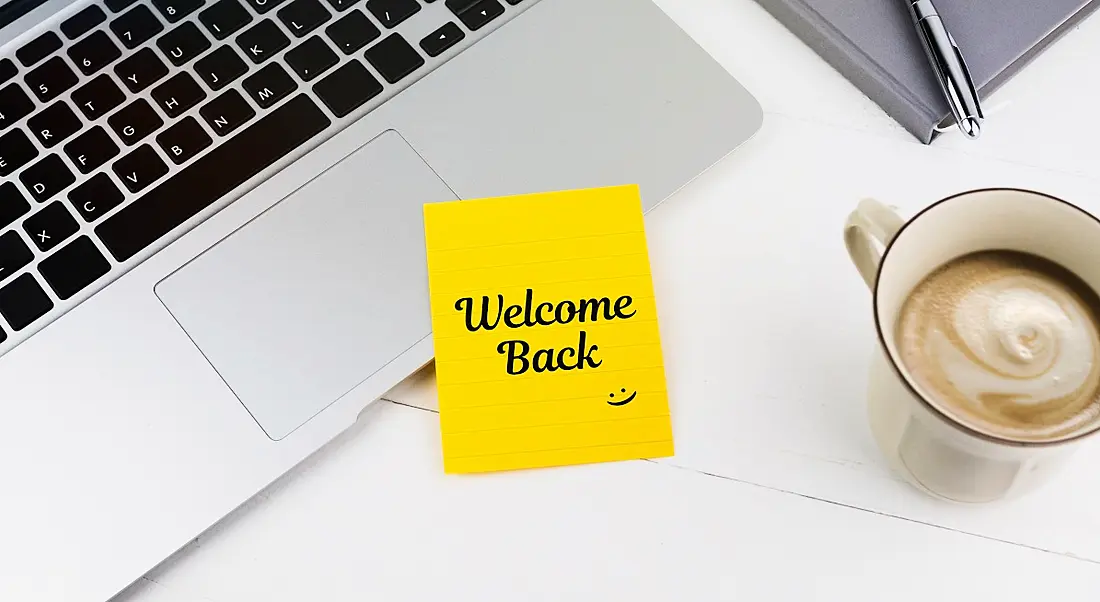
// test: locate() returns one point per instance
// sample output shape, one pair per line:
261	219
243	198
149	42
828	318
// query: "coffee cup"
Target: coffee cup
966	441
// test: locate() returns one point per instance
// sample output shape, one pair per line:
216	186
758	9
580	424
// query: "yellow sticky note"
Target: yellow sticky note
545	330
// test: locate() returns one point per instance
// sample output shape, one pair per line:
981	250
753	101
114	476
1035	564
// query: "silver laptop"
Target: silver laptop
211	246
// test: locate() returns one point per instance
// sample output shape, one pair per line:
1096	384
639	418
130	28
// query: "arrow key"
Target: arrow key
441	39
477	14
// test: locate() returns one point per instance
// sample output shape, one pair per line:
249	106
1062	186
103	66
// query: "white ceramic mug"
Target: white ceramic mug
933	451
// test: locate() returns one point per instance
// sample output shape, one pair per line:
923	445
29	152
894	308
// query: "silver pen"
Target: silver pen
950	67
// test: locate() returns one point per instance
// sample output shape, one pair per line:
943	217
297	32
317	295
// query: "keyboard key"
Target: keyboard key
183	140
97	97
95	197
342	5
16	150
174	10
8	70
441	39
390	13
224	18
117	6
353	31
345	89
136	27
220	67
263	6
23	301
227	112
47	178
14	105
183	43
458	6
269	85
50	79
136	121
14	254
262	41
141	70
82	22
178	94
91	149
38	48
311	58
209	178
73	268
54	124
475	15
140	168
50	226
12	204
394	58
303	16
93	53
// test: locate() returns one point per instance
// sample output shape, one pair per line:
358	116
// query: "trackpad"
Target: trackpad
313	296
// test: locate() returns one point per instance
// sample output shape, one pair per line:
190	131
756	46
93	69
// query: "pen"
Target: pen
949	66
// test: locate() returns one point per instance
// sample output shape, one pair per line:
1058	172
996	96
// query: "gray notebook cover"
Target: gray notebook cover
874	44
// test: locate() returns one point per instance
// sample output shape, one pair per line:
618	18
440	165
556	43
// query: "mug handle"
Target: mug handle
869	229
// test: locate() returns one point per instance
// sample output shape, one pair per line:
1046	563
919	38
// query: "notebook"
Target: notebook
873	43
544	321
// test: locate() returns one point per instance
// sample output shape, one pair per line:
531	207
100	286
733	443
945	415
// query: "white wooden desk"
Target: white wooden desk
776	491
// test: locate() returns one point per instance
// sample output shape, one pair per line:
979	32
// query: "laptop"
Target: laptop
211	246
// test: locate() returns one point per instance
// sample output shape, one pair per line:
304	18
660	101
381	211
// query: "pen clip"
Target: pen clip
969	102
950	68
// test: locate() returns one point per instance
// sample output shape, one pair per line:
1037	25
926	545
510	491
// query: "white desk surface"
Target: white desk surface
776	491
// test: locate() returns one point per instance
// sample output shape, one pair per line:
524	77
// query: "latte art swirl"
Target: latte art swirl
1006	342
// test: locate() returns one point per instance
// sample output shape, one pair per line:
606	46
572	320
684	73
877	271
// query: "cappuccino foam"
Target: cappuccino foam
1007	343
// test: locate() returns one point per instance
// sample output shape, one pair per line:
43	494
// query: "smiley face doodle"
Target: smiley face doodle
611	401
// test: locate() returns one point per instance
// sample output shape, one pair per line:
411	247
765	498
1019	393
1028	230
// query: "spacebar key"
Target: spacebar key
211	177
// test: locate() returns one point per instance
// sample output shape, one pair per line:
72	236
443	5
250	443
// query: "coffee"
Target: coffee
1007	343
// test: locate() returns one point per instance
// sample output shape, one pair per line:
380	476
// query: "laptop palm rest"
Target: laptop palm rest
318	292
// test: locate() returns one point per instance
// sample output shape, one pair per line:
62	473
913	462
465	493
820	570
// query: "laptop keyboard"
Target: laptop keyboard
129	118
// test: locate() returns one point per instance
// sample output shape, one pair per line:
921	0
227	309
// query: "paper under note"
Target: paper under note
545	329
